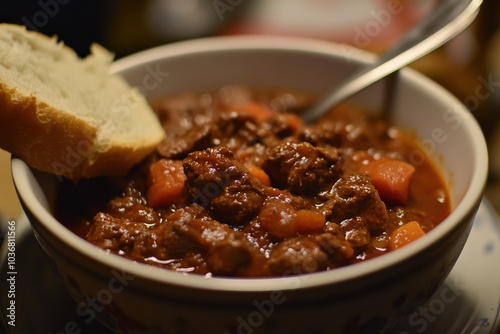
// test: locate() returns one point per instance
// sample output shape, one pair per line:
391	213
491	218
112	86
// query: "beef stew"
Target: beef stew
240	187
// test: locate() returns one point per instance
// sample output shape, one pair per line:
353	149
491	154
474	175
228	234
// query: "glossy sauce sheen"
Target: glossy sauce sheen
240	187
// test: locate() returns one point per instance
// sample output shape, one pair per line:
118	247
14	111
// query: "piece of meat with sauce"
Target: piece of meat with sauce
234	129
223	186
177	147
302	168
137	239
187	120
222	128
355	230
308	254
354	197
227	252
346	128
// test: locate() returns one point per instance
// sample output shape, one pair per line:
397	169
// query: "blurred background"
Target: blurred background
468	66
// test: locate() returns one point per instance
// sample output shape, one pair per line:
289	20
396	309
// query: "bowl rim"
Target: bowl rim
22	177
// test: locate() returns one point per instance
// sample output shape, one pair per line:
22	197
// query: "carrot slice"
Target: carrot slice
405	234
165	183
282	220
391	178
276	218
308	221
260	175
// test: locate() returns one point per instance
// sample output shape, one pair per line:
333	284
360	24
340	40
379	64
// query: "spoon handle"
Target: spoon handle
442	24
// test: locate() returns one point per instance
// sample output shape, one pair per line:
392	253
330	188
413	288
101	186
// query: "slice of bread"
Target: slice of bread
66	115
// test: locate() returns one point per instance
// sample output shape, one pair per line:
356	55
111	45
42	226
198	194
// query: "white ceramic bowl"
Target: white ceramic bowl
376	295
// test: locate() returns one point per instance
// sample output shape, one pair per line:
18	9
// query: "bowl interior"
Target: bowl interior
447	132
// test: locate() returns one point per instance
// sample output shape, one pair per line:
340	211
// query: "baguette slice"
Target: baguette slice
66	115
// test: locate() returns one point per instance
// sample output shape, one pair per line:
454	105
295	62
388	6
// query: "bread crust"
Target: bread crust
58	142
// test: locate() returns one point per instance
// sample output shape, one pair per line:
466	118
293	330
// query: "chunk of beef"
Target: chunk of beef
296	256
194	224
354	197
338	250
240	129
356	231
224	187
234	129
223	128
114	234
302	168
227	251
277	127
307	254
177	147
187	121
133	207
228	256
346	128
136	239
326	133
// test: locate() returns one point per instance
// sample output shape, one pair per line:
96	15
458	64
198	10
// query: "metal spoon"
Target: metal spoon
442	24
